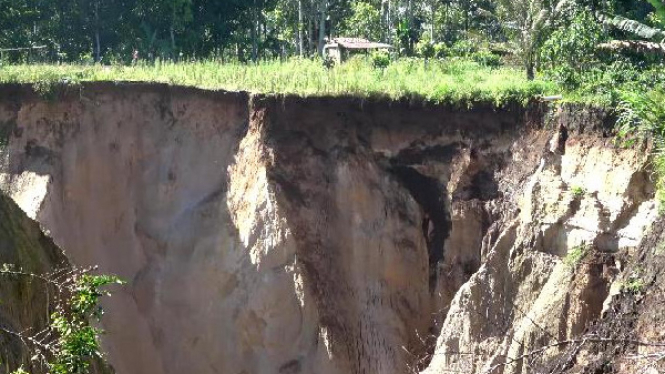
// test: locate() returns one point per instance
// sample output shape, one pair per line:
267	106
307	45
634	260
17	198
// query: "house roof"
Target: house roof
356	43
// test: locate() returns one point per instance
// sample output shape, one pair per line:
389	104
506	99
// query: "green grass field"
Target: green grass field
459	81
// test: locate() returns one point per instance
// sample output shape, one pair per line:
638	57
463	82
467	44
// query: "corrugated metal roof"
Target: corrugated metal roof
357	43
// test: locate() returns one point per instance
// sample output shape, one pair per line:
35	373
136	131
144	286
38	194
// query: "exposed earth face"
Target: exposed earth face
330	235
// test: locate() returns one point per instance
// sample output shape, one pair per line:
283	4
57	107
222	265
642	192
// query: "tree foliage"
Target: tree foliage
242	30
70	343
364	22
572	49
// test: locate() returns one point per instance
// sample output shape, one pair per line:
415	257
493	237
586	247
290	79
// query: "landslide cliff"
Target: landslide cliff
25	306
267	234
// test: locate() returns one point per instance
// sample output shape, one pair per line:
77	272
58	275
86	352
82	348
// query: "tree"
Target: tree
365	21
650	38
163	23
301	42
529	21
571	49
16	16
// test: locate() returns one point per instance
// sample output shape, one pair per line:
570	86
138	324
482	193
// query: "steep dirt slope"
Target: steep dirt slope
365	190
24	302
326	235
629	337
548	261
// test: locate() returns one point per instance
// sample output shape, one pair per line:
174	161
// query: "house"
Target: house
339	49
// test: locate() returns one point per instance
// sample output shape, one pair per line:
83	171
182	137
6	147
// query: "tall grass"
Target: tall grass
440	81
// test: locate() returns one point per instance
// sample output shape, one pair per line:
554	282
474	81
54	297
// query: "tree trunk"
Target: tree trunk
322	25
385	17
467	9
409	14
311	39
172	31
528	46
264	28
301	42
447	22
98	53
254	33
390	21
433	21
530	66
173	52
97	38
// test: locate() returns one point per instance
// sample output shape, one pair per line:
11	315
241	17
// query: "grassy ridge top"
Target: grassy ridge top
454	80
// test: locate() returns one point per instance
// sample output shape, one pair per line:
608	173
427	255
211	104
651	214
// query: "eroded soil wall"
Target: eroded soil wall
324	235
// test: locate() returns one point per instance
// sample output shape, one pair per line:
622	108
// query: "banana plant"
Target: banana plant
653	38
634	27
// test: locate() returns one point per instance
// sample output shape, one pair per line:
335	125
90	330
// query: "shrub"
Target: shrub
575	255
380	59
486	58
328	62
571	49
635	282
633	285
578	191
70	344
441	50
78	342
463	48
425	49
643	115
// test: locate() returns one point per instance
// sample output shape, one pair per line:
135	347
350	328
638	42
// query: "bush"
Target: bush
441	50
425	49
463	48
70	344
575	255
380	59
607	83
633	285
486	58
328	62
578	191
643	115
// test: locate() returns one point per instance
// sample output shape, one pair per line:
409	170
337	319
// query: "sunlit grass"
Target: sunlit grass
439	81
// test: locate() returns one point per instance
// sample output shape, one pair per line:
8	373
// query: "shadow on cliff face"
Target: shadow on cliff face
454	186
432	197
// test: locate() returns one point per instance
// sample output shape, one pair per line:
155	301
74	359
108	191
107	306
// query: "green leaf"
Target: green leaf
633	27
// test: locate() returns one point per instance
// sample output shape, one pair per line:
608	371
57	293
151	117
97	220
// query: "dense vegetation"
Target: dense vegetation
590	49
110	31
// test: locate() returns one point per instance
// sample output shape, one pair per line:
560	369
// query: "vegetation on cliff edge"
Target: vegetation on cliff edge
451	80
